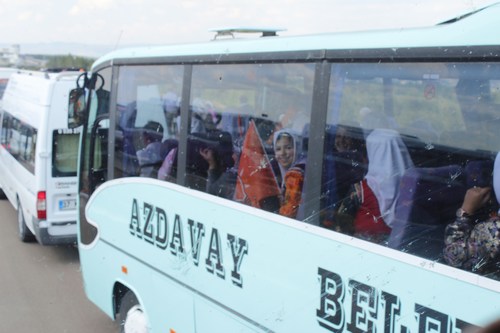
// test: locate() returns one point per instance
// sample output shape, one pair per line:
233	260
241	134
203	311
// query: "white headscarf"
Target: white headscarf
388	158
496	177
296	145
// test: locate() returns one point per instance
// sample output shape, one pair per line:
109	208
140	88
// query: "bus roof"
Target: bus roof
478	28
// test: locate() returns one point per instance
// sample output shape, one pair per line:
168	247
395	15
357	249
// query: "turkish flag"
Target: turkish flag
256	185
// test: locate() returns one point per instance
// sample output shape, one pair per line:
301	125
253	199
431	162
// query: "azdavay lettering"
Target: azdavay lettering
151	224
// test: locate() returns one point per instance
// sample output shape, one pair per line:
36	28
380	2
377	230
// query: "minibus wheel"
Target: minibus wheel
131	315
25	234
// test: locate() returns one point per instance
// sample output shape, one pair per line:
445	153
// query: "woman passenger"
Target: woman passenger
291	171
368	210
218	153
472	242
286	148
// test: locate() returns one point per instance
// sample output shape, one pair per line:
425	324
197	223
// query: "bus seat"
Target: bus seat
428	200
479	173
166	146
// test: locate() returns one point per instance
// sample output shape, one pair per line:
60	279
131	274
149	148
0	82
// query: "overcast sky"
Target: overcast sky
125	22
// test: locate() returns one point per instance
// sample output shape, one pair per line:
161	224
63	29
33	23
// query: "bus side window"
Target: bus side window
147	95
446	116
250	104
99	146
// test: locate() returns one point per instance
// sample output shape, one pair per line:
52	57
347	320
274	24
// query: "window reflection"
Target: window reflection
445	118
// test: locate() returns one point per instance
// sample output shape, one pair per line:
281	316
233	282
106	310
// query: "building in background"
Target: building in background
10	56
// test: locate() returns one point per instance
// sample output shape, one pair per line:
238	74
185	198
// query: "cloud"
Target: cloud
127	22
31	17
84	6
25	16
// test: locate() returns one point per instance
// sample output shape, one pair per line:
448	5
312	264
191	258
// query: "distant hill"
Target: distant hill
76	49
92	51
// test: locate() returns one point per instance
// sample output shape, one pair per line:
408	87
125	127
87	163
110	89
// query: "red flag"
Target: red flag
257	185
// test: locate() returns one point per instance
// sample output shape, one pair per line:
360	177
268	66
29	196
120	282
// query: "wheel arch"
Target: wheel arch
119	290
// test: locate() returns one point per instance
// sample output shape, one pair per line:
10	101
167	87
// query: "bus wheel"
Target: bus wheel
25	234
132	317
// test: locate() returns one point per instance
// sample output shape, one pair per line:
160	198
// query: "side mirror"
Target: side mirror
78	99
76	107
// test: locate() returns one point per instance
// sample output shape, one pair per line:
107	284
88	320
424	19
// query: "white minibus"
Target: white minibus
38	155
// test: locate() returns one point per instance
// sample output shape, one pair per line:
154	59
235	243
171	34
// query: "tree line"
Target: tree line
54	62
68	61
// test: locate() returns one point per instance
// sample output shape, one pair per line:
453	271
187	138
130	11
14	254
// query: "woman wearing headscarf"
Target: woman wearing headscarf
368	210
286	148
289	171
472	243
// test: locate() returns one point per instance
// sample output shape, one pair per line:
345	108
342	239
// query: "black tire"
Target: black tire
131	313
2	195
25	234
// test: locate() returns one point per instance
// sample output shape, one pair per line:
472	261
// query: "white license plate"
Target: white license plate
67	204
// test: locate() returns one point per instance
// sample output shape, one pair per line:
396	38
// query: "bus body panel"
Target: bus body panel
292	294
34	107
161	287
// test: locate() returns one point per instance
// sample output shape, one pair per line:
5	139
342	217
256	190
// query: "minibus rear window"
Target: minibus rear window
65	154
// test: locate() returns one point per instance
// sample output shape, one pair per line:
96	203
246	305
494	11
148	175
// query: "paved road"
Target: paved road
41	287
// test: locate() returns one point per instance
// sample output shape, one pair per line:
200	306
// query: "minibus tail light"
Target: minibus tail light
41	205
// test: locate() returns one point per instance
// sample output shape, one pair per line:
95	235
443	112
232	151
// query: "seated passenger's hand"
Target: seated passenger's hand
208	155
341	223
475	198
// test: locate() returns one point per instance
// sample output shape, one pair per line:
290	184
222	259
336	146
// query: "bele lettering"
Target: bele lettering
373	310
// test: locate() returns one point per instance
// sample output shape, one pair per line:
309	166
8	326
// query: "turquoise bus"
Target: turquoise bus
295	184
